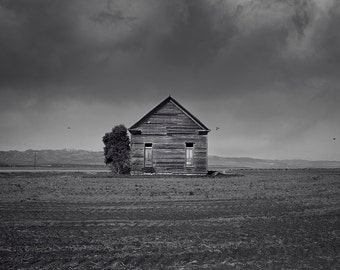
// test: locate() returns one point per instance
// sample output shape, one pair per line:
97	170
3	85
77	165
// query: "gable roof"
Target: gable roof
174	101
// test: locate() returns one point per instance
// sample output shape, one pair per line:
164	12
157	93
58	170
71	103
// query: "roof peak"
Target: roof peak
170	98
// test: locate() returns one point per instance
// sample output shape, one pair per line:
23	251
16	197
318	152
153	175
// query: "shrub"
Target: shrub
117	150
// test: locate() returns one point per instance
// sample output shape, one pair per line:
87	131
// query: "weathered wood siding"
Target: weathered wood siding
169	129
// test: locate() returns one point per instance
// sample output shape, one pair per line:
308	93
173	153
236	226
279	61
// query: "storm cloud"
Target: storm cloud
267	72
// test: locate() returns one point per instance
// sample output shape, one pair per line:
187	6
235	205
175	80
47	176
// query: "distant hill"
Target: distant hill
66	157
51	157
221	163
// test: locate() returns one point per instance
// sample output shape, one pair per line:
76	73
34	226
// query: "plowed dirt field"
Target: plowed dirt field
254	219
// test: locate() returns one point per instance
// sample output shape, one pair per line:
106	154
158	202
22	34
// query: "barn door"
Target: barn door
148	155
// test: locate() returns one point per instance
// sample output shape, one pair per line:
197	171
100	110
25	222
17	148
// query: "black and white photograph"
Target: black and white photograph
170	134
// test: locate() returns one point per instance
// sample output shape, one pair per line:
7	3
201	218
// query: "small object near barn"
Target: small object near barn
169	140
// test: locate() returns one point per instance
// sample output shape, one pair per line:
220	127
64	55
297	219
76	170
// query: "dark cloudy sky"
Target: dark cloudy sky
267	72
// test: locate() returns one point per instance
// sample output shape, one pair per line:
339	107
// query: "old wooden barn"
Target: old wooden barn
169	140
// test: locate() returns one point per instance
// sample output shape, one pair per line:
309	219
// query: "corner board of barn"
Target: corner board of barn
169	140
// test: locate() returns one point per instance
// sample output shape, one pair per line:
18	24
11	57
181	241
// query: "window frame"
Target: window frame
148	148
189	154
